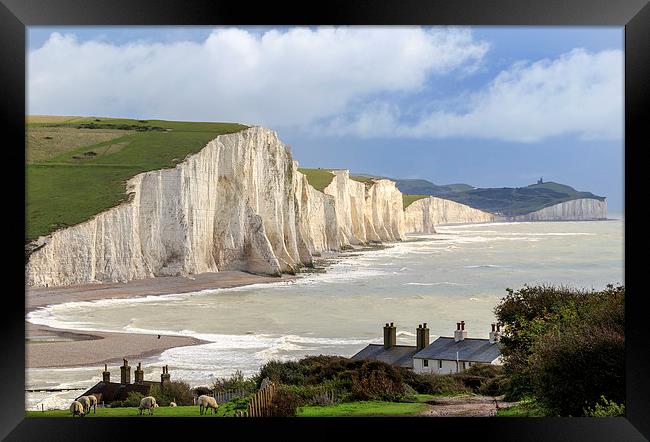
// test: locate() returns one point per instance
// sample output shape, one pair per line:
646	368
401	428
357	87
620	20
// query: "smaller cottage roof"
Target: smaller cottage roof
399	355
469	349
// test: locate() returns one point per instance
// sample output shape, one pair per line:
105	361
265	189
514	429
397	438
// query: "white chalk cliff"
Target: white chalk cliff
421	216
238	204
582	209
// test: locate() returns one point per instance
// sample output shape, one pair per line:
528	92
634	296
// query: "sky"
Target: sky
486	106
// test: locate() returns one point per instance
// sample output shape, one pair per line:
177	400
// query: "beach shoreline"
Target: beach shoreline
48	347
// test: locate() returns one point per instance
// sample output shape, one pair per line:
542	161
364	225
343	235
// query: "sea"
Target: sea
460	273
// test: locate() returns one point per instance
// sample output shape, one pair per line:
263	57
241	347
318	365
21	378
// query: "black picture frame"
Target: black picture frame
16	15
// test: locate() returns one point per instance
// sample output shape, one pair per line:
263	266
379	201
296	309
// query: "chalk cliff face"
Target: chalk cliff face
317	216
350	197
230	206
582	209
423	215
238	204
384	214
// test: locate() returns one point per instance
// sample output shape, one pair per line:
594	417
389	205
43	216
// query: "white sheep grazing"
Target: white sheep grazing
93	402
172	404
149	403
207	402
77	409
85	401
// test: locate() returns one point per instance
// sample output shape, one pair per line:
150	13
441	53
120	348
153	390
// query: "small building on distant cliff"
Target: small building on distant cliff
444	355
106	391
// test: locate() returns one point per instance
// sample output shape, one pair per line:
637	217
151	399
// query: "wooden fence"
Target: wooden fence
260	403
225	396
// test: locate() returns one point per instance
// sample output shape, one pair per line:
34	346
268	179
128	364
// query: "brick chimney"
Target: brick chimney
106	375
390	336
422	336
460	332
139	374
495	334
165	377
125	373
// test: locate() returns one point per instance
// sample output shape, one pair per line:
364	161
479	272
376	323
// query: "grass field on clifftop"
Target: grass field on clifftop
77	167
407	200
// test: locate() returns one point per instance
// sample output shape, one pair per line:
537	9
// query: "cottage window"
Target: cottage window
462	365
425	362
440	363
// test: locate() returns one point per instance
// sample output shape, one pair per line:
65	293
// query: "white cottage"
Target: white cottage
444	355
452	355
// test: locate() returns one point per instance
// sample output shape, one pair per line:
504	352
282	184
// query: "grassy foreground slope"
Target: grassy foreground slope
77	167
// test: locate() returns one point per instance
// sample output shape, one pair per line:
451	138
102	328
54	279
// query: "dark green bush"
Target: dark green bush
285	402
571	370
563	346
132	400
200	390
376	380
177	391
288	373
235	382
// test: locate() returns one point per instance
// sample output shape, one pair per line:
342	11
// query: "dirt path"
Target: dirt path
474	406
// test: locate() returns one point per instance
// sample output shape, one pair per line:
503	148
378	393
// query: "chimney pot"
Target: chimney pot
493	327
391	324
458	326
425	325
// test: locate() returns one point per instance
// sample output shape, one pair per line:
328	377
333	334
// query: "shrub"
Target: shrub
235	382
198	391
605	408
376	380
546	328
445	384
177	391
288	373
132	400
285	403
572	369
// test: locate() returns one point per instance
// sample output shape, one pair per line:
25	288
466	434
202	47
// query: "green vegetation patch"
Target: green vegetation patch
362	408
319	179
180	411
526	408
407	200
73	181
46	142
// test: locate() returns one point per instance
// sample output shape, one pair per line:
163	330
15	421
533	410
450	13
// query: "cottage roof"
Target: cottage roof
399	355
469	349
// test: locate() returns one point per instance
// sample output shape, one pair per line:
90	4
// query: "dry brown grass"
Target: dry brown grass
44	119
64	139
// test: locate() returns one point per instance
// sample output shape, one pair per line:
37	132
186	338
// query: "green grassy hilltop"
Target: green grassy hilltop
77	167
509	201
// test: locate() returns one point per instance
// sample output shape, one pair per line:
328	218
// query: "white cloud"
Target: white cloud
578	93
288	78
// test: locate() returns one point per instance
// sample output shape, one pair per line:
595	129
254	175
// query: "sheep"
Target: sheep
207	402
172	404
85	401
149	403
93	402
77	409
